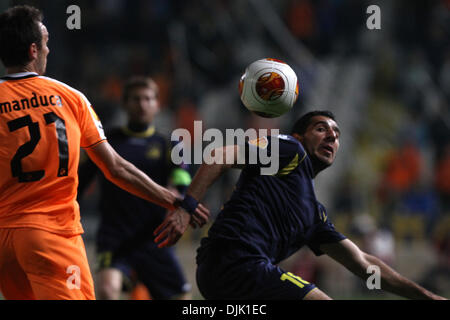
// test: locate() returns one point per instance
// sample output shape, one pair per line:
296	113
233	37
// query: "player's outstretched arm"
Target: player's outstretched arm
349	255
125	175
176	222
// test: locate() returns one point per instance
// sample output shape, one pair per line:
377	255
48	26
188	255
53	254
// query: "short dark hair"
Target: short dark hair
302	124
19	28
138	82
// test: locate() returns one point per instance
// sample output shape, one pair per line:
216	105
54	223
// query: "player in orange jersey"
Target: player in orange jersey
43	124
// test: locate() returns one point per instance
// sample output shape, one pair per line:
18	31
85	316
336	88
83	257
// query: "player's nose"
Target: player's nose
332	135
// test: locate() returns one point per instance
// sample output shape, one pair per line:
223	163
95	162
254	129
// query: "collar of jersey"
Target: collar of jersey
144	134
19	75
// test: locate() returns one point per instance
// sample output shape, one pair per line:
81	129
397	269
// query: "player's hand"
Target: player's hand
172	228
200	216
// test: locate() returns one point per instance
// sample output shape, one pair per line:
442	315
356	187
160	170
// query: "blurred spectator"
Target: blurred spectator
421	200
442	179
301	20
403	169
375	240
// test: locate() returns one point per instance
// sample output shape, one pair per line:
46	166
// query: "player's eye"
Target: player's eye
337	132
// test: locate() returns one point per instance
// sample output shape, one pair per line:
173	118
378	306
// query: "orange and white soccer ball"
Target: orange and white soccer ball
268	87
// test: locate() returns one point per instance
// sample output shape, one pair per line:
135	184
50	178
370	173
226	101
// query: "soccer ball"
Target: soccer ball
268	87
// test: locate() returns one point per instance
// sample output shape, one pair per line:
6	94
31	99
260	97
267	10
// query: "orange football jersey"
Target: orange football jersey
43	124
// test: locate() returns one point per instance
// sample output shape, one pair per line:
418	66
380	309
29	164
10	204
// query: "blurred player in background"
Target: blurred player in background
43	124
125	247
269	217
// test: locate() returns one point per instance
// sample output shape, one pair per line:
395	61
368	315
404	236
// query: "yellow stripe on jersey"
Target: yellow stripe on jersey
324	216
145	134
294	279
291	166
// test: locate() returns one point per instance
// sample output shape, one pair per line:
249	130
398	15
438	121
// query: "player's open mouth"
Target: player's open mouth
329	150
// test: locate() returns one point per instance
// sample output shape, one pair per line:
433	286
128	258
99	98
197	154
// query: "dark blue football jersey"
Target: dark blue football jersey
126	219
273	216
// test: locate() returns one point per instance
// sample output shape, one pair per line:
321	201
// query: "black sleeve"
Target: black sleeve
324	233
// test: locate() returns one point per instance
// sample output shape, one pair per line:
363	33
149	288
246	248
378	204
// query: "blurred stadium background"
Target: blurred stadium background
389	189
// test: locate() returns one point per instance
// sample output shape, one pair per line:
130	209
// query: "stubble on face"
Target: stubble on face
142	105
321	141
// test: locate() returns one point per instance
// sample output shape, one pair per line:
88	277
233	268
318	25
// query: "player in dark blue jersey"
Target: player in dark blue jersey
269	217
124	239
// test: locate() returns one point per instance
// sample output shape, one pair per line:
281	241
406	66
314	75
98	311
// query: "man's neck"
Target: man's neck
318	166
27	68
138	127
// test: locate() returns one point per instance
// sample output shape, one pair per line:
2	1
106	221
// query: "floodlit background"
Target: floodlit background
389	189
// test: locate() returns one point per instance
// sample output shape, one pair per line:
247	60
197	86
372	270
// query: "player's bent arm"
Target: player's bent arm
176	222
126	176
220	160
350	256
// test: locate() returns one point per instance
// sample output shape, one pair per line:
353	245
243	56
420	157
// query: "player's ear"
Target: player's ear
33	52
